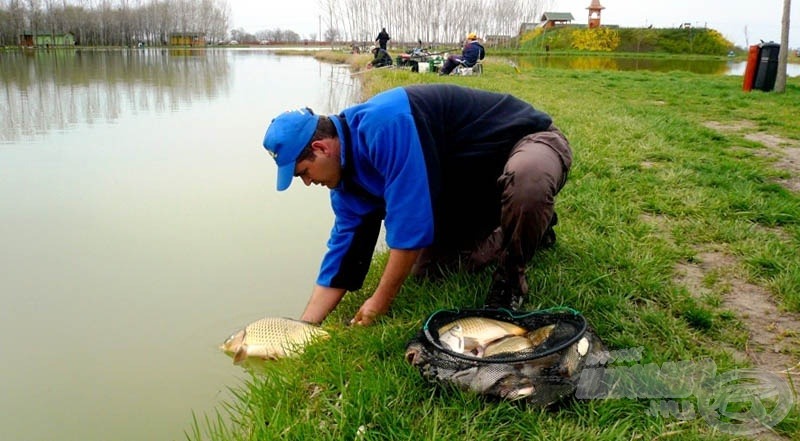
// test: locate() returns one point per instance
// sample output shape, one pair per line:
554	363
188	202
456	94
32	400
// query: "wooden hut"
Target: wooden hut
187	39
552	19
46	40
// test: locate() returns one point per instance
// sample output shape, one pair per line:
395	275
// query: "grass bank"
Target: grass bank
683	196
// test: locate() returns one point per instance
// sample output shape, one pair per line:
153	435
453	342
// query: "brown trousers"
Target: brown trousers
524	197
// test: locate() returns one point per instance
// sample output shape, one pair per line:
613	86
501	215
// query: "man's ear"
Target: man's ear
321	146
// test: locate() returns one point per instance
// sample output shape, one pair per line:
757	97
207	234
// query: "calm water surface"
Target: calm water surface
140	227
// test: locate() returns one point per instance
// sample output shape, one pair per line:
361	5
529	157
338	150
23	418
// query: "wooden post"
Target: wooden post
783	52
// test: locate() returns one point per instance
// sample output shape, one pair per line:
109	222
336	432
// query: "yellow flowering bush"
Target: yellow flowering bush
598	39
531	35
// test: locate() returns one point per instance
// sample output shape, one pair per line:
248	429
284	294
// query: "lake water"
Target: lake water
140	227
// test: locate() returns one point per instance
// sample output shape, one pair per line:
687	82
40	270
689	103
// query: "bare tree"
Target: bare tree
35	16
12	22
330	14
429	20
332	35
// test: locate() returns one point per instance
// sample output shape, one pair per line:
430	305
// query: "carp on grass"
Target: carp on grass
271	338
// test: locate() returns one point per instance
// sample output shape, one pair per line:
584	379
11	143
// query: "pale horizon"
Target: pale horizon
743	23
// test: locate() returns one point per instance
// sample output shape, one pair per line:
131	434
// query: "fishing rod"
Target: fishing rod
445	51
370	70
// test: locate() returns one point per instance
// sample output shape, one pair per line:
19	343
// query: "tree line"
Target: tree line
113	22
431	21
128	22
441	21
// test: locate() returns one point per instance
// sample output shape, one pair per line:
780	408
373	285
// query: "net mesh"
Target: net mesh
541	374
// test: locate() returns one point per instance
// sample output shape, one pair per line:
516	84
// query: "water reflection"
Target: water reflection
342	91
55	90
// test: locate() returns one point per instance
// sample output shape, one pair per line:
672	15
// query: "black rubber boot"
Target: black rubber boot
549	238
507	292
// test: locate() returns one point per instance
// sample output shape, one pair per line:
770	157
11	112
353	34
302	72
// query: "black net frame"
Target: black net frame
570	327
541	376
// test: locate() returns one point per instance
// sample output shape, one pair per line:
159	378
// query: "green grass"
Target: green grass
651	185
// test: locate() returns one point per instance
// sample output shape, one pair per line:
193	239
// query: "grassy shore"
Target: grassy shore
684	195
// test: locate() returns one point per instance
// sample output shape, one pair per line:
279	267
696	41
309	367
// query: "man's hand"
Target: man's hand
369	311
396	271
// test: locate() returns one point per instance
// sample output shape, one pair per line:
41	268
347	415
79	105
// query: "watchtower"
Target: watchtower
594	14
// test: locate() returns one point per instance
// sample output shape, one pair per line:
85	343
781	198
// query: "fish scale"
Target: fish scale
510	344
270	330
480	325
271	338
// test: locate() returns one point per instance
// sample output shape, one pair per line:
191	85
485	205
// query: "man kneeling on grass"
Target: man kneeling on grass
455	174
381	58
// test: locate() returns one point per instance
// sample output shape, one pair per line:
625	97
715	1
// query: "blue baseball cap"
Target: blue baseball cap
286	137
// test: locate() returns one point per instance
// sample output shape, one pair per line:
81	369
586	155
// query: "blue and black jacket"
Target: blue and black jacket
401	153
472	52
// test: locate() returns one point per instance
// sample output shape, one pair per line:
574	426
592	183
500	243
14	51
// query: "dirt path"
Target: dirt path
785	151
773	342
774	334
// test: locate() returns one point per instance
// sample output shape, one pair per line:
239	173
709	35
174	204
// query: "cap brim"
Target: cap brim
285	176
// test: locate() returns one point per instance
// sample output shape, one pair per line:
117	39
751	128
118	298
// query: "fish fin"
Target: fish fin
470	343
453	342
540	335
240	355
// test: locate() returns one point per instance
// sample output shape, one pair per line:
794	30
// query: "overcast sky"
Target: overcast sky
762	19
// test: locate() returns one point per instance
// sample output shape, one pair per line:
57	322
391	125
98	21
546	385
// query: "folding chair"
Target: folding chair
464	68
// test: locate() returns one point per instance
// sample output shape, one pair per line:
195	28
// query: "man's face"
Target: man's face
322	169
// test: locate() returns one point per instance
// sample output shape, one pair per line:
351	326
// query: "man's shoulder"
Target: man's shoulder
373	113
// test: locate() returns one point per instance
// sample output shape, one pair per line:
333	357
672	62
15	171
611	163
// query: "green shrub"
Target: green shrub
700	41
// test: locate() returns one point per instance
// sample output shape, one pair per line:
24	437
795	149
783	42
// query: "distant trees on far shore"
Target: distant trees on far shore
114	22
268	36
427	20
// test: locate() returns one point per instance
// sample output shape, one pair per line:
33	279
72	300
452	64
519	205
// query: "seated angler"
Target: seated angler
472	52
